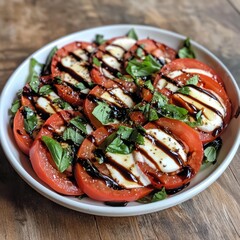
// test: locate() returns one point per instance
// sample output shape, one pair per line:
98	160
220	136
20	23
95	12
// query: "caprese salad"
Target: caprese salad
120	120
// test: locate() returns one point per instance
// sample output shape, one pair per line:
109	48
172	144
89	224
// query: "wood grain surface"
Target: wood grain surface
25	26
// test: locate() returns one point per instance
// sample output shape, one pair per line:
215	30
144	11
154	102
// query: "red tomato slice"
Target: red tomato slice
211	84
149	46
96	188
193	145
22	138
42	162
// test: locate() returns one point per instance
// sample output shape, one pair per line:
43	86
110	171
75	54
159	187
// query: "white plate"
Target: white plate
203	179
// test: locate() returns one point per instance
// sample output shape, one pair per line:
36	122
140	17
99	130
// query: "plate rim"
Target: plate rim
115	211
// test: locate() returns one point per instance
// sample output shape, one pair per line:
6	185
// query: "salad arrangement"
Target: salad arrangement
120	120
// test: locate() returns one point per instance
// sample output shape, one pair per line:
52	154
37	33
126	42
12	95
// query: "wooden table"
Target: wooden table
25	26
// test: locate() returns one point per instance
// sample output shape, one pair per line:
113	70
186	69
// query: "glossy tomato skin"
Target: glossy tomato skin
212	84
193	145
42	162
96	188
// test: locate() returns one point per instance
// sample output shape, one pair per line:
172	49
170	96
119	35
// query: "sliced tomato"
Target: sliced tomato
42	162
96	188
22	138
150	46
210	84
193	147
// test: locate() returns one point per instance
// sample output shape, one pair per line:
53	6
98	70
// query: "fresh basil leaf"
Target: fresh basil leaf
96	62
127	78
146	67
15	106
159	99
149	85
45	90
175	112
103	113
47	66
140	52
30	120
184	90
136	137
61	156
99	39
79	123
158	196
58	79
34	82
80	86
118	146
132	34
62	104
154	196
186	51
211	150
153	115
124	132
193	80
73	135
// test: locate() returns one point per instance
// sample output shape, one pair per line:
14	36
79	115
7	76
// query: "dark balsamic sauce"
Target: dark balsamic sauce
116	204
176	190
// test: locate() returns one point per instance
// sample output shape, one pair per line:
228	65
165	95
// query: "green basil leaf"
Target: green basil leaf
61	156
80	86
175	112
45	90
15	106
47	66
132	34
159	99
34	82
140	52
62	104
184	90
186	51
79	123
136	137
96	62
158	196
34	72
103	113
193	80
99	39
124	77
211	150
73	135
149	85
153	115
58	79
30	120
118	146
124	132
146	67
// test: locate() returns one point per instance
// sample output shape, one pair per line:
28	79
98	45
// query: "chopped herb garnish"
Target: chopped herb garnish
30	120
146	67
63	157
73	135
154	196
103	113
211	150
79	123
193	80
99	39
96	62
132	34
62	104
15	106
175	112
47	66
186	51
45	90
184	90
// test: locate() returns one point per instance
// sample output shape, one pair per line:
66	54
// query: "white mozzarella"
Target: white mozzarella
164	162
106	96
45	105
163	83
115	51
90	49
69	79
81	54
89	129
196	70
124	42
128	162
174	74
118	92
107	73
78	67
111	62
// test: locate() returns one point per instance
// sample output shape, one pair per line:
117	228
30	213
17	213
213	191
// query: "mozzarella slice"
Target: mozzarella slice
118	92
196	70
107	73
45	105
174	74
163	83
111	61
127	162
115	51
158	157
124	42
81	54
